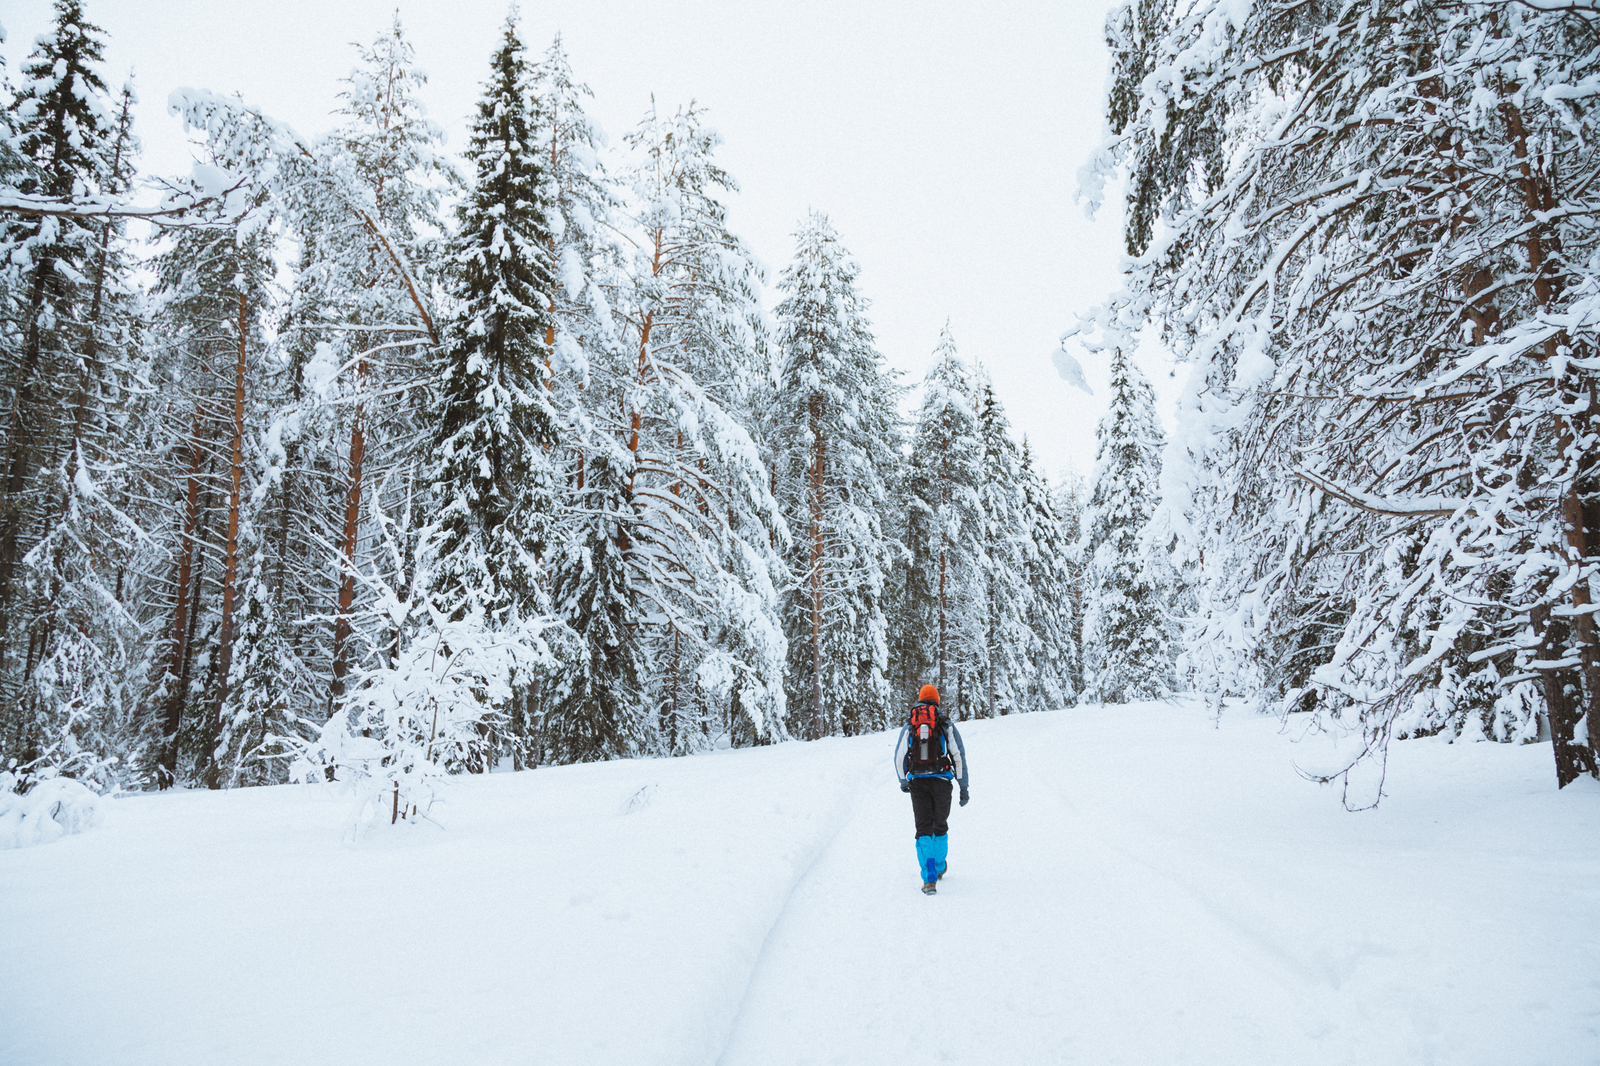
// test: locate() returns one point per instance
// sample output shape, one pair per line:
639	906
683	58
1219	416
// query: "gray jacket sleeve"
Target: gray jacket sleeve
958	756
900	754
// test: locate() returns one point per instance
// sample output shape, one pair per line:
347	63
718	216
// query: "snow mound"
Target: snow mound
48	811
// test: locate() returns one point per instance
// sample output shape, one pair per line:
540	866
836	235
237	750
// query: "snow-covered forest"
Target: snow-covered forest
458	603
345	452
1370	231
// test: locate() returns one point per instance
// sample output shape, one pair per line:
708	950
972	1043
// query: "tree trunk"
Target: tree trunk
342	625
636	418
817	457
1543	246
172	711
672	701
1572	759
943	543
230	557
19	441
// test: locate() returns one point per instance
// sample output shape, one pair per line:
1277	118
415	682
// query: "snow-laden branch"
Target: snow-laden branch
1394	506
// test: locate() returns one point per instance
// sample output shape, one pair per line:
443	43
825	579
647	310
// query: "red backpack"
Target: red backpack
925	751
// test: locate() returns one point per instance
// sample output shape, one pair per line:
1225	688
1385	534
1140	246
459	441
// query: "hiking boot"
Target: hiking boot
942	869
930	887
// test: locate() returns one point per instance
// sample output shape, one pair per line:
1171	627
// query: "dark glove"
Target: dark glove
964	797
905	786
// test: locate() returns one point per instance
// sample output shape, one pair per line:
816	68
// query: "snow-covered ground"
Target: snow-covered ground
1128	885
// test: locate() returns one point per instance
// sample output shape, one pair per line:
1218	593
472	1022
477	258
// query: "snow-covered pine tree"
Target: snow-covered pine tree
1005	659
1049	604
832	431
705	545
213	291
64	142
386	158
493	424
586	253
943	600
1127	649
86	645
1068	497
1370	251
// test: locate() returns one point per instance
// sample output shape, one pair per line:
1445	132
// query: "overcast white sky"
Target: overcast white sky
943	138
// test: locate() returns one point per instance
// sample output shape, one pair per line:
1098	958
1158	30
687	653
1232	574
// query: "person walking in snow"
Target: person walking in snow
928	756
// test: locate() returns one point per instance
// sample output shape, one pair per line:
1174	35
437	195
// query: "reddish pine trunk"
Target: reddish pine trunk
172	711
342	625
637	417
1539	198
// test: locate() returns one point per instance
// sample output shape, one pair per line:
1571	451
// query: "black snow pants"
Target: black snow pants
930	803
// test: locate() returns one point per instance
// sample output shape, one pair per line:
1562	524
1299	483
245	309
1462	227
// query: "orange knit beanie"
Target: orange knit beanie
929	693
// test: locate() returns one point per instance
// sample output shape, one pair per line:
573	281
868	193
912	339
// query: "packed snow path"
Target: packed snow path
1128	885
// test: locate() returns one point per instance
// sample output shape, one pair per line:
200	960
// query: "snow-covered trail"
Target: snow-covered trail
1128	885
1117	899
1043	945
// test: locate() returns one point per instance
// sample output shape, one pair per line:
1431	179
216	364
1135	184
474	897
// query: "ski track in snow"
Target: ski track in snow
1128	886
788	902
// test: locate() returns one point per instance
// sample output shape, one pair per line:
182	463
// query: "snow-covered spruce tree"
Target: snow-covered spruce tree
1373	253
595	709
1049	603
592	706
493	424
64	139
1127	647
1006	659
706	542
832	438
1067	498
943	596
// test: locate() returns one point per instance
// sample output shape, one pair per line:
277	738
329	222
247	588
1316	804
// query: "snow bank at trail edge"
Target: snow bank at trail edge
48	811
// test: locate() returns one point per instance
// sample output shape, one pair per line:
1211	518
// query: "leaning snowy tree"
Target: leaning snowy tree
832	429
705	547
1378	252
1127	646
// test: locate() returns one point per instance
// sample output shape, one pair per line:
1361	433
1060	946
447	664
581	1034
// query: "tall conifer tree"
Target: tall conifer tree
1127	647
943	593
494	423
832	435
1003	659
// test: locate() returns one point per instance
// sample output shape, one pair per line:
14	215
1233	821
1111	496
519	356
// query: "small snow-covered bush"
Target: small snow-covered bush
405	728
49	810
